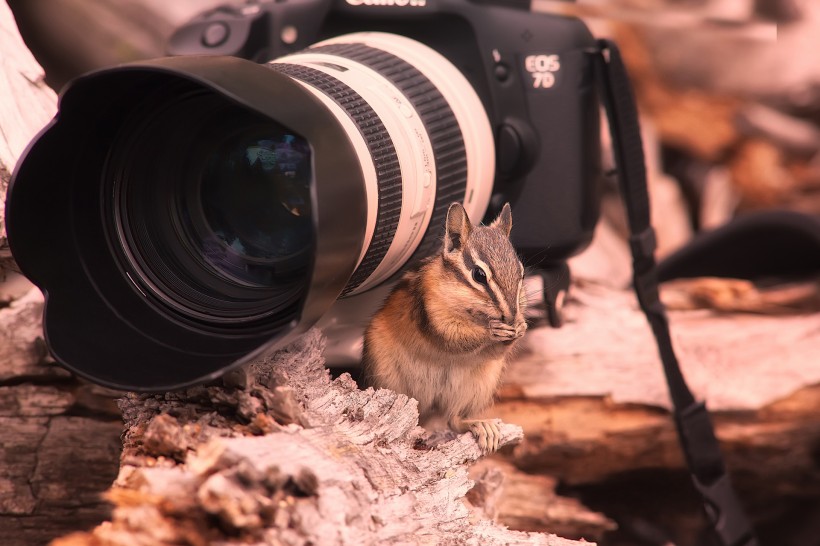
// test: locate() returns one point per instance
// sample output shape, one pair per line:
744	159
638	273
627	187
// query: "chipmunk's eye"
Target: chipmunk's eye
479	275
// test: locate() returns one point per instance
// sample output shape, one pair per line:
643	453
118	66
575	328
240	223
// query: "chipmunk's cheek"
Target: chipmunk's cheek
477	315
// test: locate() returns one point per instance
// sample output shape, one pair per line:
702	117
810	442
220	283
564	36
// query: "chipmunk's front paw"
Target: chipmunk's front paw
486	433
501	331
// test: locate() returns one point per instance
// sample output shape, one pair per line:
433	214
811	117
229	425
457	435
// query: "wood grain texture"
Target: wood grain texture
60	439
737	361
529	502
210	464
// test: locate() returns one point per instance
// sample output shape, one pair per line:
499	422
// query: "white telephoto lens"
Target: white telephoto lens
421	134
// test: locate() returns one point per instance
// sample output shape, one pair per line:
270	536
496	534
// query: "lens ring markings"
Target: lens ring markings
439	120
382	151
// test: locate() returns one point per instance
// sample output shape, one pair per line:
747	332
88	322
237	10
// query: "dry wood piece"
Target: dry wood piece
22	349
626	451
735	361
26	106
760	175
740	295
198	468
51	427
528	502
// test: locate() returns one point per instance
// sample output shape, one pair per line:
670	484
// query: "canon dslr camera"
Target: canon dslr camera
186	214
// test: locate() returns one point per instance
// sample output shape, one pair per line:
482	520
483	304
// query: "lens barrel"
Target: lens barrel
187	214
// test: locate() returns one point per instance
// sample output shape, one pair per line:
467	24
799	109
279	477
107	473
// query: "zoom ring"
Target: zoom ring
383	153
439	121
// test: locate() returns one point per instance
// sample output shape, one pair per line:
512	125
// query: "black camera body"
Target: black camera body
186	215
533	72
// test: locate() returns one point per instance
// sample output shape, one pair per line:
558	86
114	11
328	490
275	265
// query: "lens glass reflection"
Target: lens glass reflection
255	199
211	212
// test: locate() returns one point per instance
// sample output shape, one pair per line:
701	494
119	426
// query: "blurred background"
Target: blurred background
729	93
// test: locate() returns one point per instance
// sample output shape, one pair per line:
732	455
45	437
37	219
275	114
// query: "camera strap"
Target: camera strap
695	431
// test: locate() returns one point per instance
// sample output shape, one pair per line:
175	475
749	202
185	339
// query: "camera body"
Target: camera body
533	72
210	206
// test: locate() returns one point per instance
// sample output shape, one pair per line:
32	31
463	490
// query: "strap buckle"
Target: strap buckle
709	475
725	513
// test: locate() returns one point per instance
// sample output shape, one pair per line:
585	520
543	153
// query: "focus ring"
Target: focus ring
383	153
440	122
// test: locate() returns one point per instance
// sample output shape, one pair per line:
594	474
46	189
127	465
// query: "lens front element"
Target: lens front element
212	212
253	208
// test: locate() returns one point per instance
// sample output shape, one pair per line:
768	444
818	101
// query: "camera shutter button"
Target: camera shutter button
215	35
509	149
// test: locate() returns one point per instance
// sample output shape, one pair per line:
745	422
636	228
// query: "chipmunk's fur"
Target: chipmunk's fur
443	336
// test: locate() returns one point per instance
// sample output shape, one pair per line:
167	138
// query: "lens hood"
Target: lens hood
98	321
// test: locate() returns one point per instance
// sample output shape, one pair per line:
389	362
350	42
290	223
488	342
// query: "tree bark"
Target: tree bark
289	456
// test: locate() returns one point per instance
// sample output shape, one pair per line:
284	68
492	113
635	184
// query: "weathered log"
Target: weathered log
529	502
53	426
341	466
737	361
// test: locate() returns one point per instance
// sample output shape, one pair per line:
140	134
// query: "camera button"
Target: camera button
501	72
215	35
509	148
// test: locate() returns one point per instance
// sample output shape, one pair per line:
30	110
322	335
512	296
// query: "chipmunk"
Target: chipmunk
445	332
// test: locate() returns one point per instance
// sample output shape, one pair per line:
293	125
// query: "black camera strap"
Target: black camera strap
695	430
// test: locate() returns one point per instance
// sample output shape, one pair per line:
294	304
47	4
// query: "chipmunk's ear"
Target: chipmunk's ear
458	228
504	220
